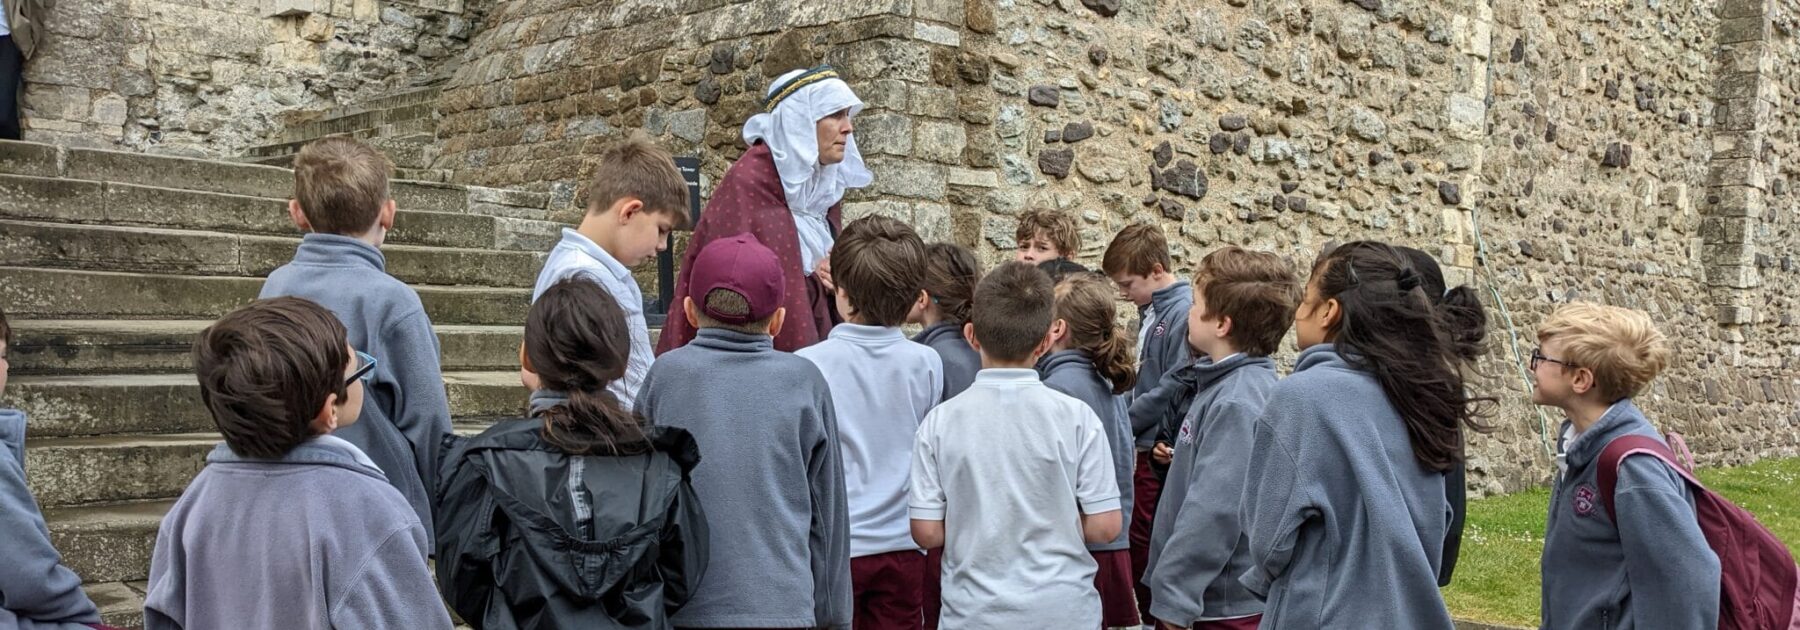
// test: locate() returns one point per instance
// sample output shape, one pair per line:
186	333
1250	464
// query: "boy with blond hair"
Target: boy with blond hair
1244	302
882	384
636	199
341	199
1138	262
1011	457
770	474
1648	565
1046	235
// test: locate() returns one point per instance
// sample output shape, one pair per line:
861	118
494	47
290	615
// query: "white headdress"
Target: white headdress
789	125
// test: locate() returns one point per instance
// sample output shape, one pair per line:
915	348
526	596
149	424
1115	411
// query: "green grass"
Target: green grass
1496	577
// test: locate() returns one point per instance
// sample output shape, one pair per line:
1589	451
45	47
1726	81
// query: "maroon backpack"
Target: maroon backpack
1759	585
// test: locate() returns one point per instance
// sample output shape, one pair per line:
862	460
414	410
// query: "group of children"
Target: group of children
1021	462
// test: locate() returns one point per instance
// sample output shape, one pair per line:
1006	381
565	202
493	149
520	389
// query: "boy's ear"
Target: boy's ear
687	308
388	209
776	320
298	216
1156	269
1582	381
1224	326
326	420
627	208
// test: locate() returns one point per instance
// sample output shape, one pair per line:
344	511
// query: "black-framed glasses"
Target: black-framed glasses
1538	358
364	372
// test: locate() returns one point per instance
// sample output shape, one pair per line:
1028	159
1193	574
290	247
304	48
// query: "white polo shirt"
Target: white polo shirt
576	256
1010	465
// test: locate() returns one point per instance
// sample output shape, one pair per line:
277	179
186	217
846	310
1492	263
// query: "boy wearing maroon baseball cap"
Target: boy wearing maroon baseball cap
769	478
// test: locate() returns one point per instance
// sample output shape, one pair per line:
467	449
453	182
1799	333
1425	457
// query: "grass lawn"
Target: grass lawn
1496	577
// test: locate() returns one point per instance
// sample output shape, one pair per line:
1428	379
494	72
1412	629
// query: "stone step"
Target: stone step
121	604
156	250
107	543
74	471
162	346
121	405
198	175
30	293
24	197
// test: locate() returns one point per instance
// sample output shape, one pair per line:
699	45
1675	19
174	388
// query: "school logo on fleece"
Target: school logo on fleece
1161	328
1186	435
1583	500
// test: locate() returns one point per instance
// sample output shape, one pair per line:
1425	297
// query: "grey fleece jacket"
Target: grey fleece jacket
961	361
1197	546
405	412
771	481
1650	569
1072	372
314	540
1165	350
36	590
1345	526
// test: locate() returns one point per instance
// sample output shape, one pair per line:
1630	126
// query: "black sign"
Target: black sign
658	311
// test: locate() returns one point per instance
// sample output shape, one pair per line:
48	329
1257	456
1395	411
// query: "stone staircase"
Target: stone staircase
111	262
403	125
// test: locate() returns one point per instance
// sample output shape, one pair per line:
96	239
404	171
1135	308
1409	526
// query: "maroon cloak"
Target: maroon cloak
749	199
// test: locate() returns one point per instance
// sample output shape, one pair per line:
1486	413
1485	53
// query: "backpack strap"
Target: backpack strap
1607	475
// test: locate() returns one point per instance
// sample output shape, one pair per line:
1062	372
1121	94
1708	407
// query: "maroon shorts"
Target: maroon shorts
934	587
1118	605
888	590
1146	488
1244	623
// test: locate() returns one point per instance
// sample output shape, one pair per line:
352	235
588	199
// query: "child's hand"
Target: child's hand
1162	453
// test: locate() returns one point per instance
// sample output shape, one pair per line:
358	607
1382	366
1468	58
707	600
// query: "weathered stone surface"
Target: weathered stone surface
1044	96
1618	155
1106	8
1449	193
1076	132
1172	209
1163	153
1056	162
1233	122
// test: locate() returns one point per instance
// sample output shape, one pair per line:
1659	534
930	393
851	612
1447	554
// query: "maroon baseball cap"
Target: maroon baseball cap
742	265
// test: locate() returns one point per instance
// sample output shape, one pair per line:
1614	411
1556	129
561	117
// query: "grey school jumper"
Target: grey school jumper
1166	349
1197	546
961	361
1653	569
769	478
1345	526
405	410
37	591
1072	372
315	540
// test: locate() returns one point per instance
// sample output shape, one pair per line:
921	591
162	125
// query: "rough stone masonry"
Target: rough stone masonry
1636	152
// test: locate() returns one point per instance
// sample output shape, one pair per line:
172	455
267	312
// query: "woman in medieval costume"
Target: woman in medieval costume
786	190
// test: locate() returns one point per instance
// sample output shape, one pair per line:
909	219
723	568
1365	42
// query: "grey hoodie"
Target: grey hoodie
314	540
36	590
961	361
405	410
1165	349
1197	546
1653	568
1345	526
771	481
1072	372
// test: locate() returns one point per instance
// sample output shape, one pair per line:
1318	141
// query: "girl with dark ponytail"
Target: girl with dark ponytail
1091	360
1465	322
581	514
1348	469
950	277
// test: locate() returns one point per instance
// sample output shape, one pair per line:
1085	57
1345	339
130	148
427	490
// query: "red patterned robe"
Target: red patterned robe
749	199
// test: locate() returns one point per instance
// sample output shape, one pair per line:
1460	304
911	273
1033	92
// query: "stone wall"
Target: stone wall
213	77
1546	150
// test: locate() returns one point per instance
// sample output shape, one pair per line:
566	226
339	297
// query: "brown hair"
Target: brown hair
950	277
341	185
1391	329
265	369
1257	290
879	264
730	302
577	341
1136	250
635	167
1620	346
1459	308
5	333
1014	305
1057	226
1085	303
